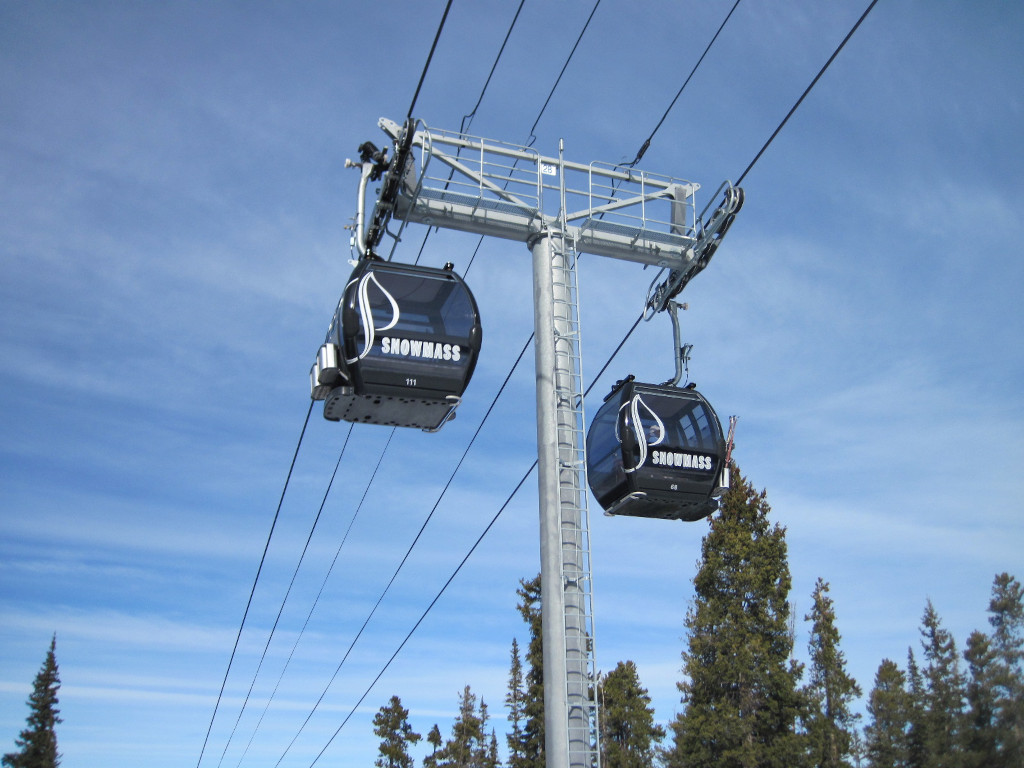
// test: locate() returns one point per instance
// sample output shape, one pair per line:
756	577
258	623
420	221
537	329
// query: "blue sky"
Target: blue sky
173	203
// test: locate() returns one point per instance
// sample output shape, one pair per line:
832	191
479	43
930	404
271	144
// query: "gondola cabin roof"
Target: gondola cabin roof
402	347
656	450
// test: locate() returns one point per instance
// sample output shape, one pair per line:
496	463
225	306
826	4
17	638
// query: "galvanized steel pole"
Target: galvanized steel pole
556	743
568	730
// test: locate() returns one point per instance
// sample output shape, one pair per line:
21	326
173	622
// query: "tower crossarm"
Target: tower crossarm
487	187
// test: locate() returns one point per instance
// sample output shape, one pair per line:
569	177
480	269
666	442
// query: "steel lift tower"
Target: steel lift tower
560	210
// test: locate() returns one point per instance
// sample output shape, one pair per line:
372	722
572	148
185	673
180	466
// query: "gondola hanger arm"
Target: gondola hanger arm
681	351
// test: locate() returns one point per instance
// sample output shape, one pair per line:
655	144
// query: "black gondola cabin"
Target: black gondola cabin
401	348
655	450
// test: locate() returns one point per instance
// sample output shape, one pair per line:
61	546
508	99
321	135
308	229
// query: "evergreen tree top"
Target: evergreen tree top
38	742
740	693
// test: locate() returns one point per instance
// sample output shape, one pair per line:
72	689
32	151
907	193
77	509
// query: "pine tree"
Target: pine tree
830	723
1006	615
857	748
943	694
740	694
533	708
917	756
467	747
391	725
515	702
980	743
491	758
38	742
487	751
888	709
628	731
435	741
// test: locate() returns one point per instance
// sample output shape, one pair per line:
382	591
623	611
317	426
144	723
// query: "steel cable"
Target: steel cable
806	91
646	145
302	557
252	592
430	56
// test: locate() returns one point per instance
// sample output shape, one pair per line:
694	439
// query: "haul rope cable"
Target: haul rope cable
468	119
559	78
770	139
259	570
646	145
543	109
430	56
295	573
309	615
806	91
366	491
540	114
425	612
